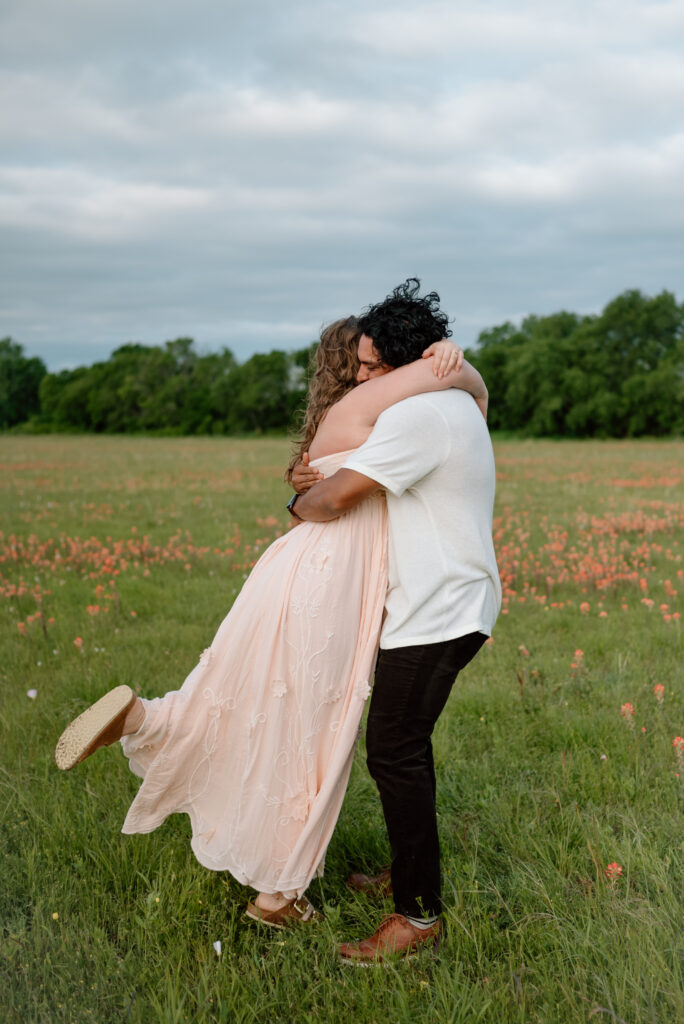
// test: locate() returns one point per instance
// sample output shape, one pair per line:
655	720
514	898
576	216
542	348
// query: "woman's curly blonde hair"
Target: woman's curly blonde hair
334	366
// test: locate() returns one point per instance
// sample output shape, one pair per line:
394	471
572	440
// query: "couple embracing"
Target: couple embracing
392	548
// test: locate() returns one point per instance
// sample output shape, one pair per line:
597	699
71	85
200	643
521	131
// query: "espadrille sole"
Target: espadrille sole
87	732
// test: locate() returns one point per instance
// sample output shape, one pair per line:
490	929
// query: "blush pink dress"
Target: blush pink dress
256	747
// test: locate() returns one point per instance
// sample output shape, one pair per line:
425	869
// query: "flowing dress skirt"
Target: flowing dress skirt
256	747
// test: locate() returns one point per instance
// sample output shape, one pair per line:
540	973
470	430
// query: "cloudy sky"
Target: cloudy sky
242	171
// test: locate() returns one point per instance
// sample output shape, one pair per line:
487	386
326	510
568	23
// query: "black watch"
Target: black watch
291	506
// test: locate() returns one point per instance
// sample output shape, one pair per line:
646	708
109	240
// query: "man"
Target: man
432	455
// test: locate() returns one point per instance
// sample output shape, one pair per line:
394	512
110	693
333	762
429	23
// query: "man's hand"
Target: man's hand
447	357
304	476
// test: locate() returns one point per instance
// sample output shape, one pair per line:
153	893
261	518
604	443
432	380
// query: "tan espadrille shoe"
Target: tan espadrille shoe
100	725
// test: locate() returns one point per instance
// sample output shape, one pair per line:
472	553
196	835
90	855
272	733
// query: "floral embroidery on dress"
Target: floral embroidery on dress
218	705
206	656
278	688
362	689
300	807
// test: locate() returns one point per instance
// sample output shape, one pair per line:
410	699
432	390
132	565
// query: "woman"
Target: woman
256	747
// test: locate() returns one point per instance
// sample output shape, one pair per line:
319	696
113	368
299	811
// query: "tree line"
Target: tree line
169	389
616	374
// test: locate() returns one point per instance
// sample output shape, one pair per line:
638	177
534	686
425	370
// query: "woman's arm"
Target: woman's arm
361	407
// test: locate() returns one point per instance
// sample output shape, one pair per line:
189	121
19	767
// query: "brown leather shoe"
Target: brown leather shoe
395	937
372	885
99	726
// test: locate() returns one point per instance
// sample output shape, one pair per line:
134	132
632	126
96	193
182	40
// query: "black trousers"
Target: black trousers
411	687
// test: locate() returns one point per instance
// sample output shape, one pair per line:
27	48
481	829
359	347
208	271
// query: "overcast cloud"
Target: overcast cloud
242	172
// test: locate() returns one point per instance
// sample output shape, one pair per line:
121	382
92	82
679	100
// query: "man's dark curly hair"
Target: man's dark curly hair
405	324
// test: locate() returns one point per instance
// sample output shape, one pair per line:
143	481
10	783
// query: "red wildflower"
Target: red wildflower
627	712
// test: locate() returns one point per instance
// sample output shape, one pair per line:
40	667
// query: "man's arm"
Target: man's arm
334	496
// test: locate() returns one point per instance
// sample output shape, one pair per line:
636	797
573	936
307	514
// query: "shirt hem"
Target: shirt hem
436	638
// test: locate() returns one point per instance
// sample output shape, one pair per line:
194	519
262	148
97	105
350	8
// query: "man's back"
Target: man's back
433	455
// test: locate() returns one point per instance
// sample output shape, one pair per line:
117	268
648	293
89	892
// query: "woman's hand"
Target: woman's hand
447	357
303	476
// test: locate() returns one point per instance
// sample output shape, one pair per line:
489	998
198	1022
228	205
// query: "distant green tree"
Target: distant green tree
64	398
257	395
535	396
494	349
635	342
617	374
20	379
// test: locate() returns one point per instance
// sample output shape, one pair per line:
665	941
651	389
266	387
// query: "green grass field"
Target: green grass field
118	559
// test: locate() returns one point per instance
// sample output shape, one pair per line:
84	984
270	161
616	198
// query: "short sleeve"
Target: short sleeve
409	440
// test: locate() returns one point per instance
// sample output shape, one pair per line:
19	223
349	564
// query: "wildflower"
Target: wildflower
659	693
603	615
32	694
604	757
584	607
55	916
217	947
523	650
134	615
627	712
678	744
78	642
578	660
613	871
21	626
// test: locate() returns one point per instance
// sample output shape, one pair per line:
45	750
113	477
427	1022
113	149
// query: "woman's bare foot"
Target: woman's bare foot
134	718
272	900
277	911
